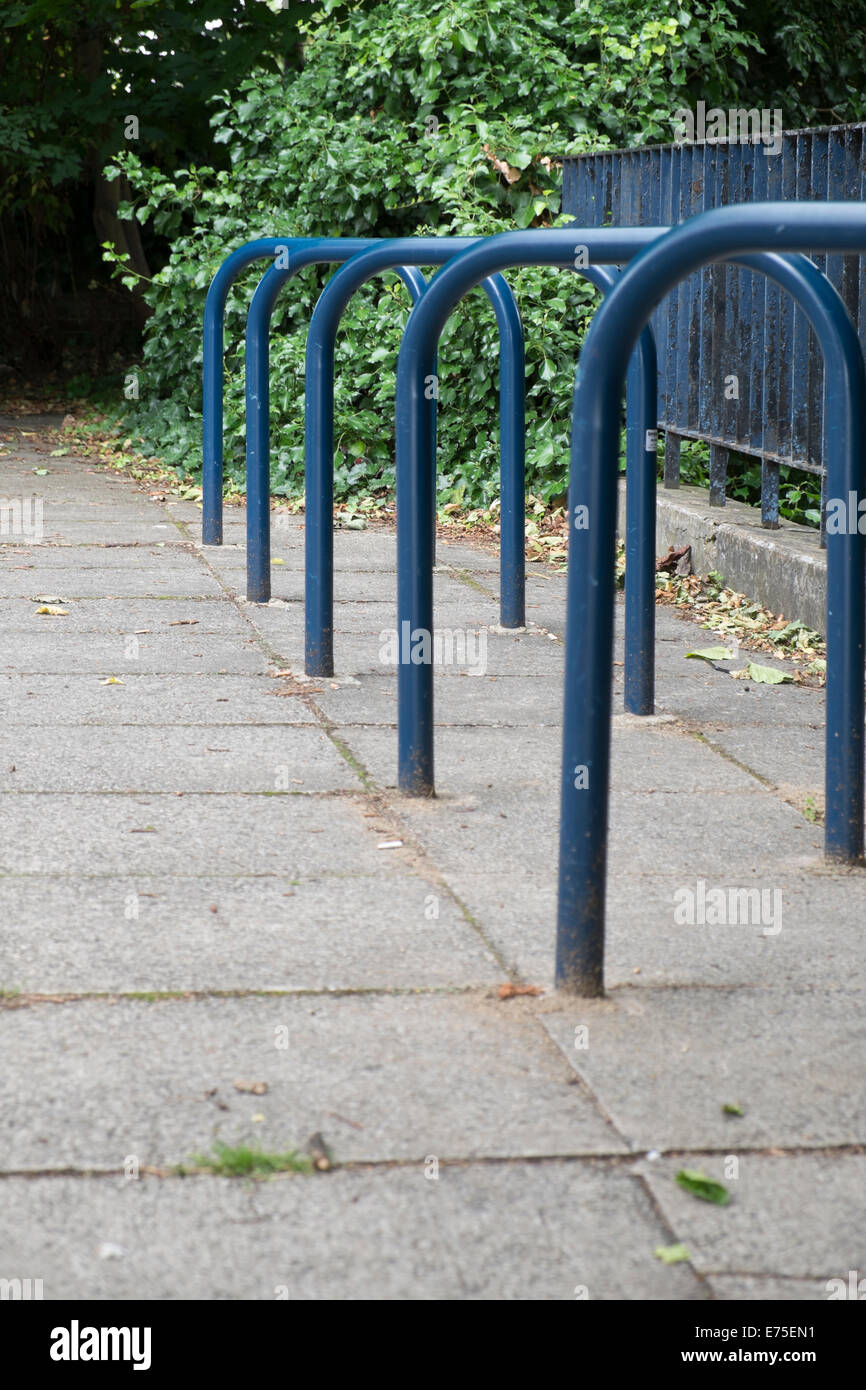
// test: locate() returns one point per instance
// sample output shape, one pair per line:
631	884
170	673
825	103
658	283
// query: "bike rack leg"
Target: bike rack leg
512	453
319	429
640	527
319	487
257	369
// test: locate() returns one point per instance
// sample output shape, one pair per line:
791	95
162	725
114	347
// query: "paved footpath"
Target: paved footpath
194	893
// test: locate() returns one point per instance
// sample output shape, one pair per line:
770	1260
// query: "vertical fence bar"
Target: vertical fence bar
800	347
744	351
786	161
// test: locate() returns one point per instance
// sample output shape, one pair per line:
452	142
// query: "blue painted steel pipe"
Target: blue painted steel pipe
257	377
731	233
568	248
319	650
319	479
263	248
641	419
580	952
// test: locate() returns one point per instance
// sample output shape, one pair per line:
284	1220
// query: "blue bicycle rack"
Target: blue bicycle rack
298	251
320	435
742	234
618	352
567	249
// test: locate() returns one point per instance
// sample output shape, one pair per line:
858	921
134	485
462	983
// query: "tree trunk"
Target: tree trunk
123	235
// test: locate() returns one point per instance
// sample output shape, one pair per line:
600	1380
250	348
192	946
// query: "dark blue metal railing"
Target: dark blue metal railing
728	324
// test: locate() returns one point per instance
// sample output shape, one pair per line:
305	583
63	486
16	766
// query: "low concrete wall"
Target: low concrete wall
784	570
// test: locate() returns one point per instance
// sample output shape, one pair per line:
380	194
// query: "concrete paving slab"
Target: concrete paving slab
646	946
515	910
145	700
645	756
797	1216
467	701
361	552
717	702
467	557
106	531
664	1062
370	620
648	828
386	1234
223	835
193	616
817	944
355	652
78	582
352	595
61	519
792	758
83	558
133	933
192	759
383	1078
710	833
123	652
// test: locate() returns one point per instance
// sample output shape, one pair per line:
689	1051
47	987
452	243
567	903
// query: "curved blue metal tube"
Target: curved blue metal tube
319	477
316	251
738	234
595	440
641	420
319	654
212	382
558	248
263	248
512	453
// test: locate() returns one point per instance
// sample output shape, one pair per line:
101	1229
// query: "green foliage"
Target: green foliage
814	59
407	118
73	70
799	492
437	116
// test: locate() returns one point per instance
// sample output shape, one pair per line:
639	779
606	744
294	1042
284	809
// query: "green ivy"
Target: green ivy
442	117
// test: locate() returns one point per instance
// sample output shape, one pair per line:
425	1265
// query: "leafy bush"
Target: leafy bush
436	116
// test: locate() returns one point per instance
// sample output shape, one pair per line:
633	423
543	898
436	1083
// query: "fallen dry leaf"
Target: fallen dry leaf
509	991
253	1088
53	611
676	561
